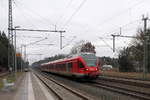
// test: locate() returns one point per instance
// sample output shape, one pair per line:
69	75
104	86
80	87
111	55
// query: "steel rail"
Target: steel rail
69	89
130	78
121	90
133	82
65	87
46	84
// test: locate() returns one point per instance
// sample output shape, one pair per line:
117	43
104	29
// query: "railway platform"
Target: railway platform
29	88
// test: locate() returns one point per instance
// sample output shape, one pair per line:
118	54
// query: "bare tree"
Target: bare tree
83	46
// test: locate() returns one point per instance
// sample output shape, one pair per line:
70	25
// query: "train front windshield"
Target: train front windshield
90	59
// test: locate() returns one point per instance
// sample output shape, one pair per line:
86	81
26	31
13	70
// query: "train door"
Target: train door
75	66
69	66
67	70
81	66
54	67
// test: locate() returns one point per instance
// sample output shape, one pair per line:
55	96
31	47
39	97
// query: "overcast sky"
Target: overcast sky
90	20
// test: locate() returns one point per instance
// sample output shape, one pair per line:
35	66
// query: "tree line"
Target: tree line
131	57
4	43
3	51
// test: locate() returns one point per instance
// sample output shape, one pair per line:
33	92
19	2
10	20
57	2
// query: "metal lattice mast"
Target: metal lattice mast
145	63
10	36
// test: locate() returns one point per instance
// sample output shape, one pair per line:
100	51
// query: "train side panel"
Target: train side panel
75	68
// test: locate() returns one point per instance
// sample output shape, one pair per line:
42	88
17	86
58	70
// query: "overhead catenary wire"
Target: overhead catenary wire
123	26
119	33
70	18
35	13
33	54
64	12
36	41
27	36
69	42
120	13
74	13
127	25
117	29
24	13
50	44
40	30
107	44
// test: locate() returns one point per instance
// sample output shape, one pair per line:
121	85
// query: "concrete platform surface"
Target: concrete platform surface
31	88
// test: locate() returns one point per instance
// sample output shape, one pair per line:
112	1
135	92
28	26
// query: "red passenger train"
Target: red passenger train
83	65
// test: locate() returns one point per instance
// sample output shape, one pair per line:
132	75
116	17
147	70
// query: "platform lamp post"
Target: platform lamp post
15	56
21	58
15	48
21	55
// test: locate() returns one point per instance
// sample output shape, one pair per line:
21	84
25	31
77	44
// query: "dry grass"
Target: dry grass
10	78
137	75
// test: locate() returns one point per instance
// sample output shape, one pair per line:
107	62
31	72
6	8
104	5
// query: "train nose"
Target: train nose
92	69
93	74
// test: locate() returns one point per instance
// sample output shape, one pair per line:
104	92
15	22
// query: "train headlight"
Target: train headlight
86	69
96	69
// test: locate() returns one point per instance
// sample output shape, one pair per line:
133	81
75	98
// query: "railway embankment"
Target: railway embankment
132	75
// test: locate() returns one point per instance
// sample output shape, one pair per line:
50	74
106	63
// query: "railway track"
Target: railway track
138	90
60	90
131	88
130	78
133	82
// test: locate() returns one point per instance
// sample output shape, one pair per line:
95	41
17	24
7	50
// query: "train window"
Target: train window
51	66
63	65
90	59
80	64
69	66
54	66
59	66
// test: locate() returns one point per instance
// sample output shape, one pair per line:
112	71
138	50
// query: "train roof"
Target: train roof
65	59
70	57
79	54
45	63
